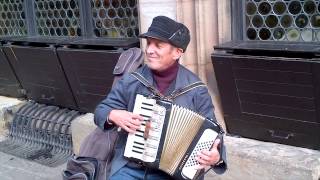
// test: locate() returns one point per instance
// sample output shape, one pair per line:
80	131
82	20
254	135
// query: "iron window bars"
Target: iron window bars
69	18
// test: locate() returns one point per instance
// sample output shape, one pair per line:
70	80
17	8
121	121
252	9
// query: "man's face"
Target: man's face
161	55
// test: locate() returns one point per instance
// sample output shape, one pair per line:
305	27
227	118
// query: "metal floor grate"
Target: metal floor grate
40	133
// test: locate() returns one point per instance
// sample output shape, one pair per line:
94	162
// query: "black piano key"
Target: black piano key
139	135
138	147
139	152
138	130
135	142
148	109
143	115
144	103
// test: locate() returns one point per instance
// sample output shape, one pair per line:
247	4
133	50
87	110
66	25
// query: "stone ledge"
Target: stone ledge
247	159
80	128
251	159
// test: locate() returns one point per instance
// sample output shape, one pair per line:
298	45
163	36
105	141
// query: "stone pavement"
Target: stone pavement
14	168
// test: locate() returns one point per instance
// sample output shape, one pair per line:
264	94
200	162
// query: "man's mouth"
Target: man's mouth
150	57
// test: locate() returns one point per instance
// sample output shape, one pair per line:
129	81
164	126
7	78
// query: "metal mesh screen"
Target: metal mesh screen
58	17
12	18
115	18
285	20
69	18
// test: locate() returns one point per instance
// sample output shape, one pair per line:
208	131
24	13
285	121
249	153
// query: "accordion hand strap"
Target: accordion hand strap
174	94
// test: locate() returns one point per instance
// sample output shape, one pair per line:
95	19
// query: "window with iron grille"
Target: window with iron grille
115	18
12	18
69	18
280	20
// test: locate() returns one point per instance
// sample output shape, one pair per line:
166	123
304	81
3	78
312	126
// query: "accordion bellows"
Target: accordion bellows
182	128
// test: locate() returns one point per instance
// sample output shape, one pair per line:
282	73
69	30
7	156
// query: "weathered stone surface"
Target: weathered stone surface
5	118
14	168
80	128
250	159
247	159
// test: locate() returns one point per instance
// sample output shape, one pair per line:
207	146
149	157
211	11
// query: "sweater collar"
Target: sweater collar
164	78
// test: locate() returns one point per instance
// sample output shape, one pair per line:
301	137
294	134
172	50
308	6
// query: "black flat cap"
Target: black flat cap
168	30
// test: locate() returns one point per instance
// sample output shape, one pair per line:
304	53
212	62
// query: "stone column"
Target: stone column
224	21
208	21
148	9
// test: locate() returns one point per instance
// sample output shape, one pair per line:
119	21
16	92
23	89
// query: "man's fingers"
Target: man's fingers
129	121
207	158
202	161
216	143
205	155
134	126
129	130
135	122
137	116
199	167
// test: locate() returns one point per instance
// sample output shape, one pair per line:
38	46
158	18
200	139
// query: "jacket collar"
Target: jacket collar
179	82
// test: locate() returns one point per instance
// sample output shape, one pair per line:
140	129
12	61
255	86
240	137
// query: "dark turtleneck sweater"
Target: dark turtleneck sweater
164	78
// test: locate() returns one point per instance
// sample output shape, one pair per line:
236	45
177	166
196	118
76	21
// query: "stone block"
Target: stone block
251	159
81	128
5	116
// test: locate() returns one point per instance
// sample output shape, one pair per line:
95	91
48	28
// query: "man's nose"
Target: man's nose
150	49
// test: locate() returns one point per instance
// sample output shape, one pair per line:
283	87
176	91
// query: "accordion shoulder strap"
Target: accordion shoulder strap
174	94
146	83
185	89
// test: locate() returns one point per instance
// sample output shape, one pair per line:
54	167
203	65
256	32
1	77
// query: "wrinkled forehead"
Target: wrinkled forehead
158	41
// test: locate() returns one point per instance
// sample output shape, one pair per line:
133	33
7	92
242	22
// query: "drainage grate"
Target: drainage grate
40	133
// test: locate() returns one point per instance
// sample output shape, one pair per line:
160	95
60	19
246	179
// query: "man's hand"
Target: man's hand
126	120
208	158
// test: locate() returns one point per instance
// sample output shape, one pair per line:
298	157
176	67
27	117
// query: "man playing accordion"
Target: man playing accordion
166	40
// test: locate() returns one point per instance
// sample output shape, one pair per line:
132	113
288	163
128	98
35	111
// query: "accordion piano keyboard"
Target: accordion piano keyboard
137	146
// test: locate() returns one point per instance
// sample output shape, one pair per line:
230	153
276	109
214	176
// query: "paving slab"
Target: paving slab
14	168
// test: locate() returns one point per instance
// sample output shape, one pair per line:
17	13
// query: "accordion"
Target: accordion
174	137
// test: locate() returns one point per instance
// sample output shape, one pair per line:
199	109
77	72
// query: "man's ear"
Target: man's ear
177	53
